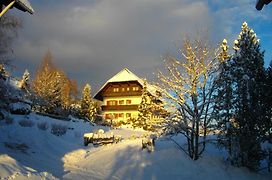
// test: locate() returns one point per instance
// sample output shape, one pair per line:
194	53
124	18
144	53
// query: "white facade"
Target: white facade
121	115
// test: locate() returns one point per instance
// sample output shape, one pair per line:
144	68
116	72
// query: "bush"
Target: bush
98	119
104	123
26	123
43	126
58	129
20	108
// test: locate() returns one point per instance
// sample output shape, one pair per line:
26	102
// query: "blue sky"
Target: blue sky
91	40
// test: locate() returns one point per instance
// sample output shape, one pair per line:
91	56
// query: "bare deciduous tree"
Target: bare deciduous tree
188	83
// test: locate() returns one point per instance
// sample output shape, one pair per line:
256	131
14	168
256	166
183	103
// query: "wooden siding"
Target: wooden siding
118	89
120	94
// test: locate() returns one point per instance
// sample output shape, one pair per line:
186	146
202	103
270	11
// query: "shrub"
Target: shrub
98	119
26	123
20	108
42	126
58	129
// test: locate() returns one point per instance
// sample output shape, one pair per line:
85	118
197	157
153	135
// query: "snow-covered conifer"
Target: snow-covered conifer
239	100
88	108
144	109
24	83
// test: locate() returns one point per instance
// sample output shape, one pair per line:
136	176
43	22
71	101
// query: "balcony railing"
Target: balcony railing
120	107
120	94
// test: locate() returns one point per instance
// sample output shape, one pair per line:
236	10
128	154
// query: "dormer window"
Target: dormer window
135	88
115	89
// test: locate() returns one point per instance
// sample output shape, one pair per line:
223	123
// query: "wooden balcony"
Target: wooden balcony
119	107
120	94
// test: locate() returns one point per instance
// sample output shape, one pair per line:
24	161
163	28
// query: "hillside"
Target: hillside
33	153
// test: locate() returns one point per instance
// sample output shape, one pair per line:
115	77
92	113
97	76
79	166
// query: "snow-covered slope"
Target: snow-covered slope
32	153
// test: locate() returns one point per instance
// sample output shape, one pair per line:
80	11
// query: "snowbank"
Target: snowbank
34	153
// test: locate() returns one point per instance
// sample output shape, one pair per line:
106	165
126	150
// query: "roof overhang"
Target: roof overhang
261	3
22	5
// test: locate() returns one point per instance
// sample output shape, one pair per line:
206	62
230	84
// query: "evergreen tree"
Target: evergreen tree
24	83
223	99
242	106
4	95
267	129
88	107
144	110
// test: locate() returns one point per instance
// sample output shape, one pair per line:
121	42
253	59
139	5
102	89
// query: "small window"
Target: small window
128	101
128	115
115	103
123	89
112	103
121	102
127	88
108	116
136	88
121	115
115	89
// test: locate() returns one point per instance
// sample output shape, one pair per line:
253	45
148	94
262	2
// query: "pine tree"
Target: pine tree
24	83
4	95
223	100
267	98
88	107
144	110
243	84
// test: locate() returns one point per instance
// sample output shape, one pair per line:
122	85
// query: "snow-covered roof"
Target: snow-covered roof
123	76
126	75
24	5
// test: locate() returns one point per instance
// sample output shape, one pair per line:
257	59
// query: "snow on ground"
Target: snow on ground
32	153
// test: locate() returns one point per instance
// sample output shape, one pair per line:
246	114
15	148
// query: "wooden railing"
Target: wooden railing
120	107
120	94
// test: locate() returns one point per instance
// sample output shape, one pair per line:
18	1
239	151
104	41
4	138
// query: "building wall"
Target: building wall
134	99
121	115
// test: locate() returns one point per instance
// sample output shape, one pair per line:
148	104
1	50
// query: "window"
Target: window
127	88
108	116
115	89
115	116
136	88
123	89
128	115
128	101
112	103
121	115
121	102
